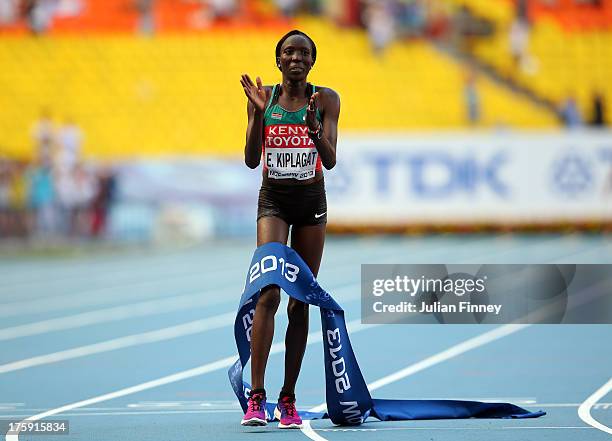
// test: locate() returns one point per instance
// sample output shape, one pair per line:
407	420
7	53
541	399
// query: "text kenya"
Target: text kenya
288	135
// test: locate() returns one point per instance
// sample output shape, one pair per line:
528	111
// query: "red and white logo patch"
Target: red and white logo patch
287	135
289	152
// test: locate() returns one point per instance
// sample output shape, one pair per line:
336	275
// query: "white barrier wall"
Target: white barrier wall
497	178
458	179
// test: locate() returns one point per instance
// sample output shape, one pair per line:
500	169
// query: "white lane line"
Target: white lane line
94	297
488	428
129	268
189	328
140	309
182	404
597	406
157	335
184	329
313	337
122	312
584	411
453	351
107	294
147	263
11	406
544	427
306	430
101	296
227	405
144	412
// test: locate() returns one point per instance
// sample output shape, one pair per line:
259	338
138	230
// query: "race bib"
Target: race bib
296	163
289	152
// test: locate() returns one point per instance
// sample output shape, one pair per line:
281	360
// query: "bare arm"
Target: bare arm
254	135
329	102
257	97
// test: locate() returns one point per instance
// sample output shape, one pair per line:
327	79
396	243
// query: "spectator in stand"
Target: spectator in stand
86	187
39	14
314	7
380	24
288	7
598	118
9	12
437	20
17	198
4	198
345	12
65	200
213	10
519	41
460	28
146	18
69	140
595	3
76	189
43	135
69	8
42	201
103	200
410	17
570	114
522	10
471	99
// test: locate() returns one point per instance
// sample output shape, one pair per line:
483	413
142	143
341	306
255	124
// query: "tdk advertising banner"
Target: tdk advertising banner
472	177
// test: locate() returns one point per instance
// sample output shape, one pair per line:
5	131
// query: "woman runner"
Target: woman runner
293	127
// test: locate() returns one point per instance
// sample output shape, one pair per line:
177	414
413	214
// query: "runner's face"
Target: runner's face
296	58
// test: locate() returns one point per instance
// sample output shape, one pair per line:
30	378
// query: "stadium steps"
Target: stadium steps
562	63
570	53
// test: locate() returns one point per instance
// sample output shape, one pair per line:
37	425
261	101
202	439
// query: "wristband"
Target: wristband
316	133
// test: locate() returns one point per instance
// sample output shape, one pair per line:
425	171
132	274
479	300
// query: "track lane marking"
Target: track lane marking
105	315
447	354
89	298
584	411
158	335
489	428
171	332
278	347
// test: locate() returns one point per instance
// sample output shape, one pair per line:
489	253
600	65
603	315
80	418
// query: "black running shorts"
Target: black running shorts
297	205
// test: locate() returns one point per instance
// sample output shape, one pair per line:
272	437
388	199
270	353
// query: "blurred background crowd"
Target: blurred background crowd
55	195
89	85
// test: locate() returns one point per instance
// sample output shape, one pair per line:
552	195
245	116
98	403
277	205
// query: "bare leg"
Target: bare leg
308	242
269	229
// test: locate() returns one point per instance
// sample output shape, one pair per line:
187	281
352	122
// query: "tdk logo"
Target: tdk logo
438	174
572	174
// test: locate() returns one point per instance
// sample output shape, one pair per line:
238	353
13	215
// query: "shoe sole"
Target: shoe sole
289	426
254	422
277	415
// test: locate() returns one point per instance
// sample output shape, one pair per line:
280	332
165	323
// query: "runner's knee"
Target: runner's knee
297	311
269	298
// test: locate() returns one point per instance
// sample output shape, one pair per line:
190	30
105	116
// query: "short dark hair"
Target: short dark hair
292	33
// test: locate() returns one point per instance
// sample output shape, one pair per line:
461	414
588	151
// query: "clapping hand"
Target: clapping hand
255	94
311	113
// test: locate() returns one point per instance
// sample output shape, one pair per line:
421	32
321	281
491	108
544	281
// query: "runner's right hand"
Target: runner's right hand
255	94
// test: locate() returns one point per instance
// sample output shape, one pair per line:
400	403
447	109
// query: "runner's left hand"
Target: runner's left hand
311	112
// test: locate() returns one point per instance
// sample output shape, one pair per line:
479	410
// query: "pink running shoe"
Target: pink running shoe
256	410
286	412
